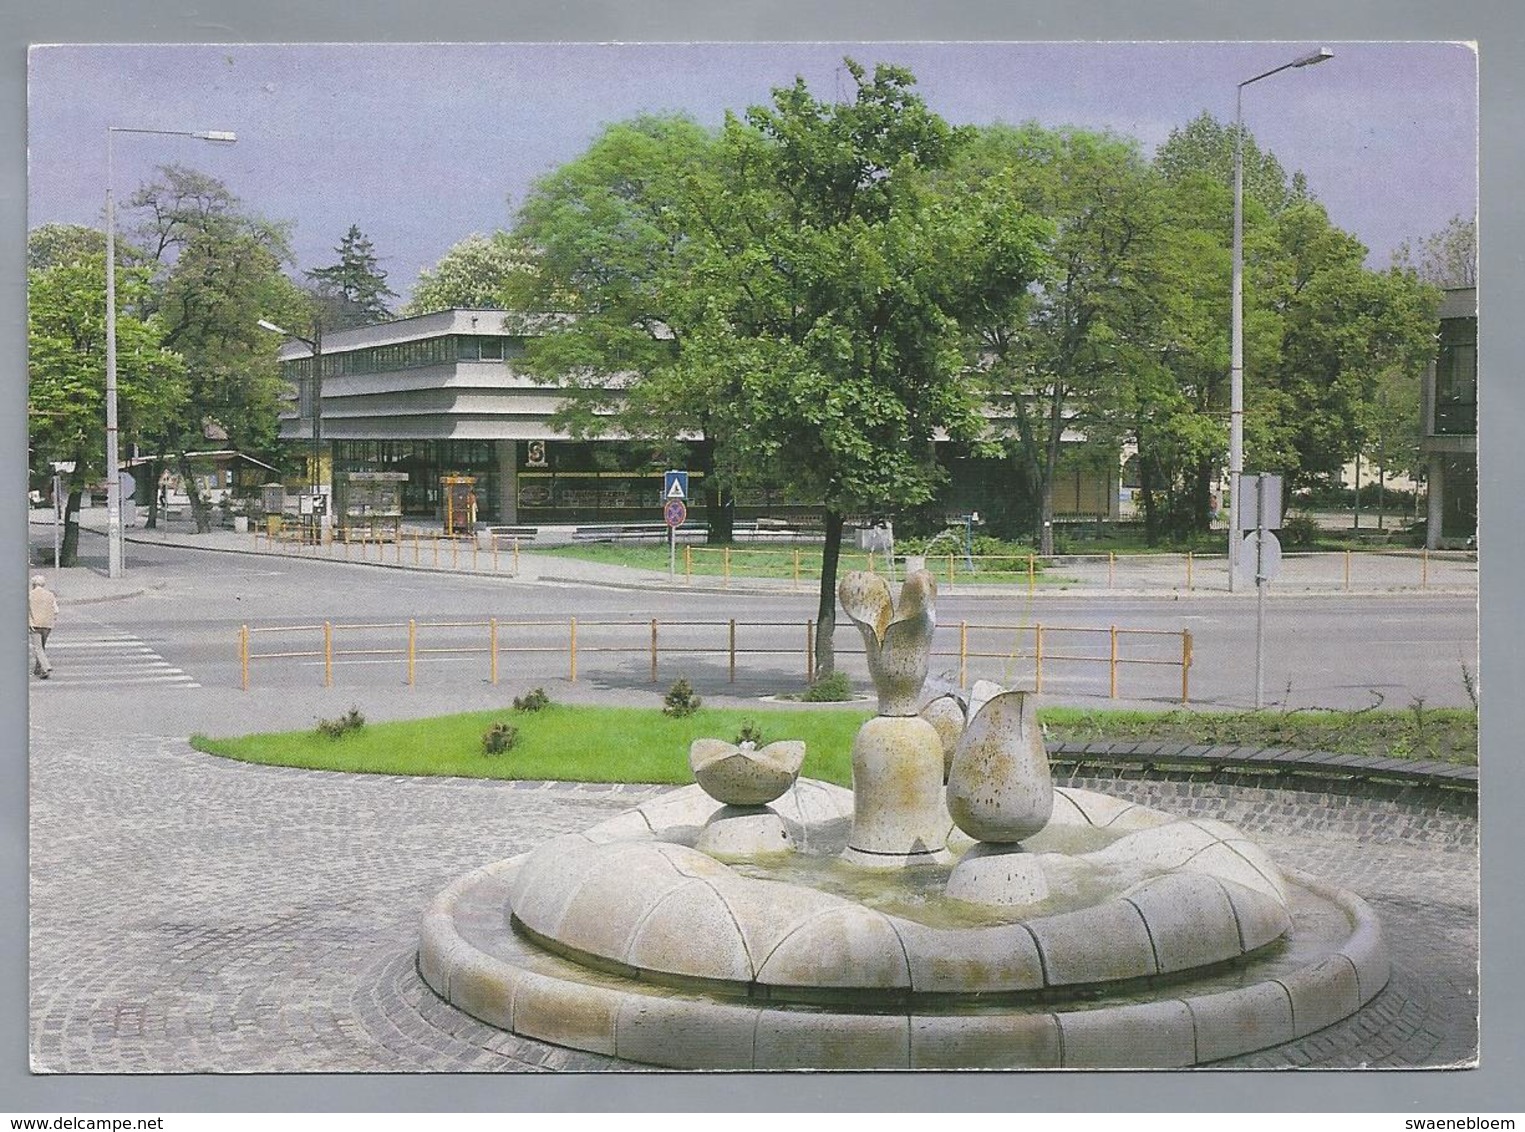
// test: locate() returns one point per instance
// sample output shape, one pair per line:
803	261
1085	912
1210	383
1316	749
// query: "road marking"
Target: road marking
111	660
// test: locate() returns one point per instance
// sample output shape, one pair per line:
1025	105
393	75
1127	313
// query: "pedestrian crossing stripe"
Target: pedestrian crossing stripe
117	660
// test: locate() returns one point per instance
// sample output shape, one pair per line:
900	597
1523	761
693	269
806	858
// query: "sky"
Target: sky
421	145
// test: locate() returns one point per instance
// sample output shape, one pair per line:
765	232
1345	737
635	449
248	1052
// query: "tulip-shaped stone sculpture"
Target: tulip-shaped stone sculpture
899	817
745	778
1000	792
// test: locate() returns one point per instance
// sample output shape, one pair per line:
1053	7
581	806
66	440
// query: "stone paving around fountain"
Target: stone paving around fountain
191	914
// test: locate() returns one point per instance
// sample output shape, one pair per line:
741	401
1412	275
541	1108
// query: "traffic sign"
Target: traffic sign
1267	556
675	512
674	485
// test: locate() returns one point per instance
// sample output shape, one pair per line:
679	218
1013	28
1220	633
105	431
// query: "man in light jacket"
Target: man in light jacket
41	616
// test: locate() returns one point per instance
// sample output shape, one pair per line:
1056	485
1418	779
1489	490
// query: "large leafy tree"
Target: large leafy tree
353	290
1060	367
610	233
217	270
66	365
1324	334
800	296
478	273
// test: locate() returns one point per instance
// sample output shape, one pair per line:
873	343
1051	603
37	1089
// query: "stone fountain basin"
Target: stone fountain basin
1166	942
1155	896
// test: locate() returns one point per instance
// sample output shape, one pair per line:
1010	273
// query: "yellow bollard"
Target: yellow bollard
243	654
688	564
1113	692
412	649
1032	574
328	655
1111	568
1188	571
796	567
572	653
871	562
492	648
950	567
1185	665
653	650
963	654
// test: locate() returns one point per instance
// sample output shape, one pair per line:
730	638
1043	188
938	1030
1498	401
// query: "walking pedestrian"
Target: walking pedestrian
41	616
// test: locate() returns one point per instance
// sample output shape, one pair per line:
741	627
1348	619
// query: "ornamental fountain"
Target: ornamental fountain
954	909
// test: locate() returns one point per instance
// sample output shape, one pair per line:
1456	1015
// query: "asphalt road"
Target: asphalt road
168	659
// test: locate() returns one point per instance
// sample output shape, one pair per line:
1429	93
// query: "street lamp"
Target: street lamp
315	387
113	476
1236	361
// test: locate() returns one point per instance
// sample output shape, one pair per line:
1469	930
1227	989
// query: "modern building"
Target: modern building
438	397
1448	407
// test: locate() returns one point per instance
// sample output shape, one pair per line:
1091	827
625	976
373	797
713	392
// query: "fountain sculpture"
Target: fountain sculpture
954	909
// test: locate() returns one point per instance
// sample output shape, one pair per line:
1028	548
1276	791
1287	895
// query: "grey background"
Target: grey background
1493	23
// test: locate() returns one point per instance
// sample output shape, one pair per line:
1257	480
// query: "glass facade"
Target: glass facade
444	350
1456	378
425	462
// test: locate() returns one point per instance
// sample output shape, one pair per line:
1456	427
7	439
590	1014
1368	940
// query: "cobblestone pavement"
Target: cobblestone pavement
191	914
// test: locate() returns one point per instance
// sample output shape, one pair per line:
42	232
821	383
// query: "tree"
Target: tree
477	273
609	231
354	290
1060	367
51	245
1447	258
66	370
800	295
217	272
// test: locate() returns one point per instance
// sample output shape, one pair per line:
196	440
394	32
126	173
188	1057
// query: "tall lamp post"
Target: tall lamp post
1236	360
113	476
315	386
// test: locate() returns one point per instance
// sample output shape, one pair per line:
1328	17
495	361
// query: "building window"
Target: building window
1456	379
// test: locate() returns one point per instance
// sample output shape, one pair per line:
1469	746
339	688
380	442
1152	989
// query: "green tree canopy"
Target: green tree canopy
478	273
797	289
66	371
354	290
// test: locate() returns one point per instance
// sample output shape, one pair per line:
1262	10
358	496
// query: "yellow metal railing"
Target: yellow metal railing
1031	642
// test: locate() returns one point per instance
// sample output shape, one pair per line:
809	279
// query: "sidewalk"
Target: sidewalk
1310	574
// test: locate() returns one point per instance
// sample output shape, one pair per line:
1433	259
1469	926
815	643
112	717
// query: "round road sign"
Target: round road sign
675	511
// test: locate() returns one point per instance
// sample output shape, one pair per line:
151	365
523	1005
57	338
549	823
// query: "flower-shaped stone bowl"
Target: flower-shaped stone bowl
745	775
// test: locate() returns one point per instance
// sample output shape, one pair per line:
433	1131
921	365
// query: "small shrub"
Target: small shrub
536	700
352	720
498	738
830	689
750	733
1299	530
680	700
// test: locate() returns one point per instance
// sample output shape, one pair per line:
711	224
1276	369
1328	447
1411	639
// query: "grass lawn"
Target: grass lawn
577	744
598	744
751	561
